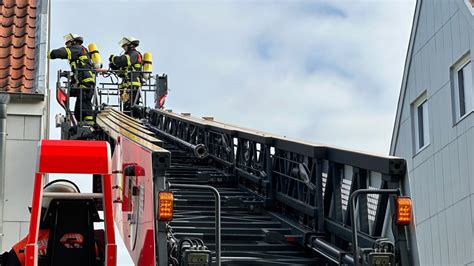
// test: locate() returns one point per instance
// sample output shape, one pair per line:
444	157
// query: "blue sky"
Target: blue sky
322	71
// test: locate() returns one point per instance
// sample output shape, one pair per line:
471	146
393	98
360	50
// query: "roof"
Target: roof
406	70
17	45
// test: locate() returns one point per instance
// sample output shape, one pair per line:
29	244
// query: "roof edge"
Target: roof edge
24	97
408	59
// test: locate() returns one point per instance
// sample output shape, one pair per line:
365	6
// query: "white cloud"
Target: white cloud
325	71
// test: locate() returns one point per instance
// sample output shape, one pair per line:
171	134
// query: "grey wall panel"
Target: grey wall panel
420	33
452	246
436	240
426	252
431	186
439	181
444	117
443	233
460	190
431	61
445	12
456	37
465	32
453	6
448	48
411	85
465	241
425	69
11	231
405	148
419	85
421	195
447	175
470	153
472	233
438	14
424	154
33	127
15	127
463	155
405	113
20	174
442	71
430	20
24	228
436	125
421	241
466	124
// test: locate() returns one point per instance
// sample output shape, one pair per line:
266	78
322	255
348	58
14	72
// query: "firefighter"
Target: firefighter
83	79
128	66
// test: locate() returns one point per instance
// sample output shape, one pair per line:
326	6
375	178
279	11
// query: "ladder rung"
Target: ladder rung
63	195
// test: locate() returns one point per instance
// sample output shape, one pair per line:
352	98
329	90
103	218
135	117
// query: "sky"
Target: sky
322	71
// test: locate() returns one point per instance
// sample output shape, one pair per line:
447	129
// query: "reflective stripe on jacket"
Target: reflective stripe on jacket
79	58
126	64
17	254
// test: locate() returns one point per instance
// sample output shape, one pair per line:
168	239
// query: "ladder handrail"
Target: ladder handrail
218	213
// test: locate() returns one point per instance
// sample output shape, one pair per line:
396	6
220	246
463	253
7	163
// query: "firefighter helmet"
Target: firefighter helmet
61	186
73	37
128	41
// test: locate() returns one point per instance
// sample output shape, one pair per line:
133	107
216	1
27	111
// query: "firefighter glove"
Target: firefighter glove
124	96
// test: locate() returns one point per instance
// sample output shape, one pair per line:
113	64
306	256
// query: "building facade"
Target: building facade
23	77
434	130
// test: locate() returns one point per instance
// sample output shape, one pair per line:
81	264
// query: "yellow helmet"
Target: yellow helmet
129	40
73	37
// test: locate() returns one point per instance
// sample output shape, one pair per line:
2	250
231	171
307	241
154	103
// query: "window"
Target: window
463	88
421	123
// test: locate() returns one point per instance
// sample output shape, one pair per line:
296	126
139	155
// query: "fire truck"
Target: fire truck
184	190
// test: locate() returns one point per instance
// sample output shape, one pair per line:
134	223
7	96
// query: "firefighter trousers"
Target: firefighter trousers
83	110
132	99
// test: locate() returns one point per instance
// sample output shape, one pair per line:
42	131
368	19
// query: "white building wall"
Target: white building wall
441	176
26	125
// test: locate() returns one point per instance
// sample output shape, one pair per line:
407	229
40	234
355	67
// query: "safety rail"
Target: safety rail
309	184
108	92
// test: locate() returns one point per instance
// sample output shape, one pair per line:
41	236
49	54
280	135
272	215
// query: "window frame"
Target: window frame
456	92
421	132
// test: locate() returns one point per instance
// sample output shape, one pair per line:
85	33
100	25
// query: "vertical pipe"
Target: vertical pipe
4	100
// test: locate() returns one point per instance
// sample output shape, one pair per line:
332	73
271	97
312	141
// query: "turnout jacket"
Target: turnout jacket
79	58
125	64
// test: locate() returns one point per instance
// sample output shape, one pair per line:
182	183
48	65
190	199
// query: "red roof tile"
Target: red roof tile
17	45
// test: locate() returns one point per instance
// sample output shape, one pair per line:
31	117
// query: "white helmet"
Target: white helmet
129	40
62	186
73	37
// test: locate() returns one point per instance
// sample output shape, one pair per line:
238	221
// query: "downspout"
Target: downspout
4	100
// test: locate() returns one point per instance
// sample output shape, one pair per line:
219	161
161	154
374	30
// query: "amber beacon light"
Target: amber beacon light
404	210
165	206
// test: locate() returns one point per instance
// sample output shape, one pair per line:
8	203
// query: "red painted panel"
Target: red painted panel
135	220
74	157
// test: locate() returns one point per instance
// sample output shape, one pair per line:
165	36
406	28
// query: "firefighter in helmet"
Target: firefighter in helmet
129	66
83	81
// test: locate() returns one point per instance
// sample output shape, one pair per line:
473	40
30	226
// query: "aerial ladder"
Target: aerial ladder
195	191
